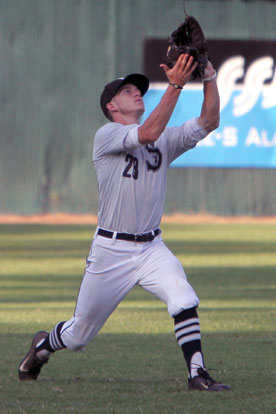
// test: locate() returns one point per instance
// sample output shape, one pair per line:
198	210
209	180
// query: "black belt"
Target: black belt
144	237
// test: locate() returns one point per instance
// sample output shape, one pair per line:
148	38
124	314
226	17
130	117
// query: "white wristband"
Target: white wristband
210	78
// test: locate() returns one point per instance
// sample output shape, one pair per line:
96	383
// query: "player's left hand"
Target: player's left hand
209	71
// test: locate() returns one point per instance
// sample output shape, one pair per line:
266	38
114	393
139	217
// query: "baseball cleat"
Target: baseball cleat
203	382
30	366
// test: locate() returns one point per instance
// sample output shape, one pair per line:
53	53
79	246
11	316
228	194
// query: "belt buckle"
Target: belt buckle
136	237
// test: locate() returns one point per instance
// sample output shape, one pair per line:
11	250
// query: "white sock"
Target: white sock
196	362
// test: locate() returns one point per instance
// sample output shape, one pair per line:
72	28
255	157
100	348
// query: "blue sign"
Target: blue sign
246	137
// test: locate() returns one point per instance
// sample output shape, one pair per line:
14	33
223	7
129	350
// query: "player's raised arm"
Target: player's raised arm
209	117
177	76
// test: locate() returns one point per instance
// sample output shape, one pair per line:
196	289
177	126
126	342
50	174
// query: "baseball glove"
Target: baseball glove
188	38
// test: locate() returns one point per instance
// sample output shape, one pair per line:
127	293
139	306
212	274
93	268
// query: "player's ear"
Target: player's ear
111	106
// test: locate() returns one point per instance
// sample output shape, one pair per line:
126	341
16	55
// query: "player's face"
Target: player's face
128	99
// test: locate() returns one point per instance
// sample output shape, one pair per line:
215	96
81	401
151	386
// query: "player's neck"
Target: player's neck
127	119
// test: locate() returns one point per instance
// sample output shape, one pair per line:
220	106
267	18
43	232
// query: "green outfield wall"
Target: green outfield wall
55	57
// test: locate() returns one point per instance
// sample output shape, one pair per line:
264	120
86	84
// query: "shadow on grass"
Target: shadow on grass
213	283
35	229
80	247
82	236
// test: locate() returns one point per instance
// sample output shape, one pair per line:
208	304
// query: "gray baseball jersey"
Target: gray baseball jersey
132	176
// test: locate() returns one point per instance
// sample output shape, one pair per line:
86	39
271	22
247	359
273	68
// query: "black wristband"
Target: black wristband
175	85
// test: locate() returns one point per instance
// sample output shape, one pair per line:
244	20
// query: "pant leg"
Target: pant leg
163	276
109	276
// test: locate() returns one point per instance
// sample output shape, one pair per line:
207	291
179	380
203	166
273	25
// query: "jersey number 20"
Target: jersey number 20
132	163
131	169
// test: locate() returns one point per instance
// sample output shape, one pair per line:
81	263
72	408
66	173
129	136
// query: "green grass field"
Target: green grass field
134	365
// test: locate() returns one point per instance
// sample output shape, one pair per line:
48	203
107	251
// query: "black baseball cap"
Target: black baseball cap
141	81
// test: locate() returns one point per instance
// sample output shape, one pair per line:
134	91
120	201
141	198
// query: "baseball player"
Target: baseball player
131	161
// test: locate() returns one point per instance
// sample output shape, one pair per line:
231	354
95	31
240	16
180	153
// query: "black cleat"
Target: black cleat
203	382
30	366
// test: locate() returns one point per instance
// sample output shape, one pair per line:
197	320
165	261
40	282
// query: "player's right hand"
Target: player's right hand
182	71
